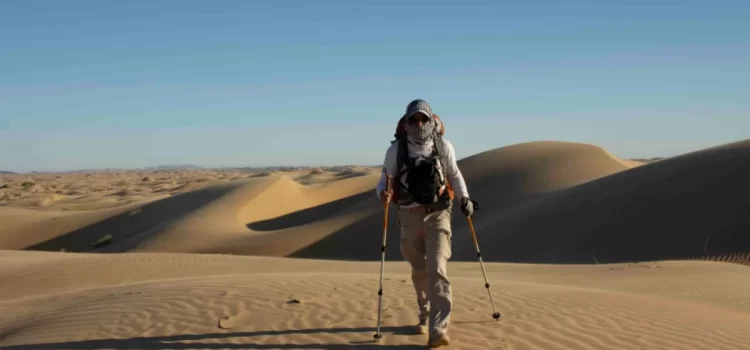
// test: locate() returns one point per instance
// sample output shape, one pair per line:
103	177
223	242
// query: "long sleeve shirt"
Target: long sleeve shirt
453	173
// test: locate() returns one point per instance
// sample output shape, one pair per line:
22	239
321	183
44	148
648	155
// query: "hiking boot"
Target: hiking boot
421	328
438	341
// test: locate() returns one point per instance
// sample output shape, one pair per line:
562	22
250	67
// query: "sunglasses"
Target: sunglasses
418	118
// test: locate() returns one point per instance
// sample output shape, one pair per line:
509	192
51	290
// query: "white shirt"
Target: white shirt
453	174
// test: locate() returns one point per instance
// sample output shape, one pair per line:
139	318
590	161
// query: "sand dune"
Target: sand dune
662	210
319	175
172	284
687	206
541	202
114	204
522	171
216	219
334	199
157	300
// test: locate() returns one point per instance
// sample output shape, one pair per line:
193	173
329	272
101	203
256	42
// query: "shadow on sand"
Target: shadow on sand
212	341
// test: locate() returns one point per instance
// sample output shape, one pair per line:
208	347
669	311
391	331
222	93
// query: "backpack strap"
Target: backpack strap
400	131
437	148
437	152
402	156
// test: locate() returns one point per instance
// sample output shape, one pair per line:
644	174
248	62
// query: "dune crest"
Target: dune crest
515	173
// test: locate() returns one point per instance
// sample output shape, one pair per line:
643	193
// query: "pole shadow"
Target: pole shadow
211	341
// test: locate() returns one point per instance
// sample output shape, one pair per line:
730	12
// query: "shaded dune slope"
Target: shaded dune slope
498	179
141	227
215	219
129	228
663	210
693	205
351	227
32	228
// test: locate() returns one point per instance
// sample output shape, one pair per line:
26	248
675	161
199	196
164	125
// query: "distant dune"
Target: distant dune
647	160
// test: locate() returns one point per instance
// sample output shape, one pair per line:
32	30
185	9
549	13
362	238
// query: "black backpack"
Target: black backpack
425	180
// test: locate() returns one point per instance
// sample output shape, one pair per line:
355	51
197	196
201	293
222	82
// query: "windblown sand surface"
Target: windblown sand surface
149	301
632	223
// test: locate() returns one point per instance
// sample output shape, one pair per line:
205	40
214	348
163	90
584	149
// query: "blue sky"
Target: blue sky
90	84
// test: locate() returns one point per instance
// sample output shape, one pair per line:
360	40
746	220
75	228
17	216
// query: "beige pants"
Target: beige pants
426	245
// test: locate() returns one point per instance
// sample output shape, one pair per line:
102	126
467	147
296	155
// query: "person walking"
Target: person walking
422	166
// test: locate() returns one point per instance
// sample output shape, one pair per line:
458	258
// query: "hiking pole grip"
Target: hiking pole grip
385	218
377	335
474	237
388	186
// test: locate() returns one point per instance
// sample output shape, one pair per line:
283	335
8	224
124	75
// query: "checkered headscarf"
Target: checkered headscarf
418	105
422	133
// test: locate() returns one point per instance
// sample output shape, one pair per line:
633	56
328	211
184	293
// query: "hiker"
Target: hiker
424	172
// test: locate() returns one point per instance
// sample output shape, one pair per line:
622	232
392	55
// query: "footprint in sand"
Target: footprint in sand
230	322
270	316
242	318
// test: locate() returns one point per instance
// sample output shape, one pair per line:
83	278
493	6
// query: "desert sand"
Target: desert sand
583	250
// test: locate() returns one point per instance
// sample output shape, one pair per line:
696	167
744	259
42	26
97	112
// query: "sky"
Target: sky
123	84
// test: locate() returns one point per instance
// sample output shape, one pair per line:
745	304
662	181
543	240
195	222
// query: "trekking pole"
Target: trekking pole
377	335
495	314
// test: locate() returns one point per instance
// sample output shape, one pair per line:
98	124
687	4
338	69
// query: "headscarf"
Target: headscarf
420	133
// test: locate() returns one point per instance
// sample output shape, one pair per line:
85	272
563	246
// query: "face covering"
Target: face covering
420	133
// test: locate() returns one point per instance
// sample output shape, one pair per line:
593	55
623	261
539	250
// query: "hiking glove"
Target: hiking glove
468	206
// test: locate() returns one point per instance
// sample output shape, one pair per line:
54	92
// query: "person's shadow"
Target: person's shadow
176	341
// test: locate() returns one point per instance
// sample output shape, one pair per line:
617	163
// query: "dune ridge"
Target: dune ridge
529	170
742	258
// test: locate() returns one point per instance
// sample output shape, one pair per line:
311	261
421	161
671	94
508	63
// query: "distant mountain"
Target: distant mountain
3	172
648	160
174	167
271	168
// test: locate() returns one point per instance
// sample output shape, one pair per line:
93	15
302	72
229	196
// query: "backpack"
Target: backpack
427	182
